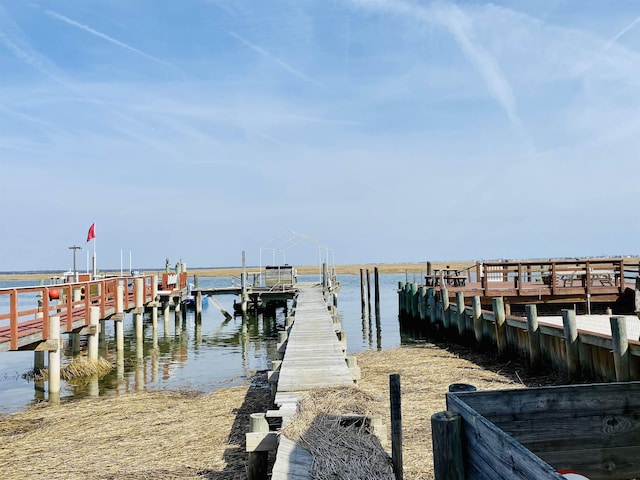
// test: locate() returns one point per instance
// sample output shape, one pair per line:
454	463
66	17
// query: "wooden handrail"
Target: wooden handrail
96	293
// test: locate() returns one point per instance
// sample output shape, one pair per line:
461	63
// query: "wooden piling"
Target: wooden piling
446	432
368	292
139	336
363	298
119	327
431	305
395	397
620	347
572	347
413	300
534	337
422	304
478	324
257	464
401	310
376	290
54	359
461	313
444	297
501	326
93	341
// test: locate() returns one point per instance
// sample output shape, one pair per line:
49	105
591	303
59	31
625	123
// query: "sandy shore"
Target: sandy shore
188	435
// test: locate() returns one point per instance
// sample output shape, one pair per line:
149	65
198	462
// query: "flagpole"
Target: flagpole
95	262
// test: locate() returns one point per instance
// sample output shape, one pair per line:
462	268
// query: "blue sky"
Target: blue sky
390	130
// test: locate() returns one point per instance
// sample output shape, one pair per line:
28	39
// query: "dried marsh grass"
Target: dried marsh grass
148	435
189	435
75	372
340	449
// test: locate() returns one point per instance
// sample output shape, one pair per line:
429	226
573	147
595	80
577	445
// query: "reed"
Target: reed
78	368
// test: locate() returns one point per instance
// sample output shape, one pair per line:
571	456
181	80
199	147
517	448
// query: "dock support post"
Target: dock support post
363	300
413	300
38	365
534	337
571	343
431	305
461	313
422	304
54	360
93	341
446	431
501	326
154	319
396	425
444	296
119	328
478	324
401	309
620	348
244	297
139	336
368	293
167	310
75	344
199	307
376	290
258	461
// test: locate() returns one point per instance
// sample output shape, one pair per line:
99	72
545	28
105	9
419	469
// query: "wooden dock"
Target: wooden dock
313	357
588	281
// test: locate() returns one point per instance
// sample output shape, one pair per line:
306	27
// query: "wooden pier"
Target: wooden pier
313	356
38	316
585	281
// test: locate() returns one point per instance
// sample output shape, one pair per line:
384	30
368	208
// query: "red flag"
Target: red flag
92	232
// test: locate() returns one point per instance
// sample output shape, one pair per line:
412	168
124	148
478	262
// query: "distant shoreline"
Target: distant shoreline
353	269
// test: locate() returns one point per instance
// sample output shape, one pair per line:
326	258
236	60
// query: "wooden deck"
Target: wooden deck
313	358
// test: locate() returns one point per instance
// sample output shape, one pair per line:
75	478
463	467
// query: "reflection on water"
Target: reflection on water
184	354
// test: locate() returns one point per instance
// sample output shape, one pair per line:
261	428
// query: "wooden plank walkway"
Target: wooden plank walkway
313	358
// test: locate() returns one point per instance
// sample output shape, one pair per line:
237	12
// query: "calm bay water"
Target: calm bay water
218	353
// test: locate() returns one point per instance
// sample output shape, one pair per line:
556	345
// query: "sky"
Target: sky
381	131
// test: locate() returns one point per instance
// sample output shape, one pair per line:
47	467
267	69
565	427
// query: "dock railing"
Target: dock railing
30	308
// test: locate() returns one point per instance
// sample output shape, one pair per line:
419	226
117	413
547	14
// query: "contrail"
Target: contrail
622	32
106	37
459	26
282	63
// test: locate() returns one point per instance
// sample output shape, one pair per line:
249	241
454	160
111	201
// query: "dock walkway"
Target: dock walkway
313	358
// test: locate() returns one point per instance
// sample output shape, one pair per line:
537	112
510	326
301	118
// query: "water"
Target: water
218	353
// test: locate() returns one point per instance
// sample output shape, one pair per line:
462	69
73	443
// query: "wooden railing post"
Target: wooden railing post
13	318
54	359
